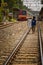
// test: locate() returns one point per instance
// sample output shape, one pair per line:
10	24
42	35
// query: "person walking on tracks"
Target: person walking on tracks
33	24
29	23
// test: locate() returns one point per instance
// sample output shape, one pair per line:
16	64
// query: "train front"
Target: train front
22	15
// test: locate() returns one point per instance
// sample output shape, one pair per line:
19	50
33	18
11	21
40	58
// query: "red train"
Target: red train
22	15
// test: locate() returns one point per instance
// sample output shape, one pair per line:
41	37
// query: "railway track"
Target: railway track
8	44
2	26
6	54
27	52
41	26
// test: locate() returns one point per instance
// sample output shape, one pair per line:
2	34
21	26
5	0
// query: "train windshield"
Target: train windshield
24	12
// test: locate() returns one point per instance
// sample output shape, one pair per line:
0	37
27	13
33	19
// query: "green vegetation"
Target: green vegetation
9	5
15	4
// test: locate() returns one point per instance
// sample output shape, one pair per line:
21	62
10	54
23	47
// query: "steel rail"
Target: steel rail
5	26
10	24
19	45
40	42
16	48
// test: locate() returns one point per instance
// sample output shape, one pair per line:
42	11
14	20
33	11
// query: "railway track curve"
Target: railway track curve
28	51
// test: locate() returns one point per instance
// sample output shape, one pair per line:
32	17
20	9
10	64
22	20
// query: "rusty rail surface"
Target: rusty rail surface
40	42
15	50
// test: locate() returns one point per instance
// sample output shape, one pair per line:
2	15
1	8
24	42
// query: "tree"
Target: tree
14	3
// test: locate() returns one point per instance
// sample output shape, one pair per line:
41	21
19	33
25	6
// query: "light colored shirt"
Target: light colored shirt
29	23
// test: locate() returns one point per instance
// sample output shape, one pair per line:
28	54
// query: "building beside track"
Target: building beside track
41	14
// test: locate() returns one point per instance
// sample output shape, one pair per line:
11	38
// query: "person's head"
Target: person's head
33	17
